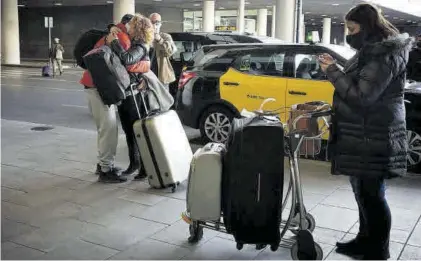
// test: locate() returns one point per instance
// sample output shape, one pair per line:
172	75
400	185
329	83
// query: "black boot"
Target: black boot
141	175
133	156
355	248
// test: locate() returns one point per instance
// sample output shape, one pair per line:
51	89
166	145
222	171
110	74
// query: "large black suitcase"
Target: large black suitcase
253	180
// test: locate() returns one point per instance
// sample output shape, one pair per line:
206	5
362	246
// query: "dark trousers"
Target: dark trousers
374	214
128	116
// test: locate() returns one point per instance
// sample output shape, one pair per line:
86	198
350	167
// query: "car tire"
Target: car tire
414	153
215	124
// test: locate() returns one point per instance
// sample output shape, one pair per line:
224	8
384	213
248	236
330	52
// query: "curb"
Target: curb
37	66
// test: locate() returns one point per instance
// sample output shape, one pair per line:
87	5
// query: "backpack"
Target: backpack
85	43
109	75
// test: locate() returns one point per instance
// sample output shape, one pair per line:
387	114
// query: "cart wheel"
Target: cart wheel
274	247
196	232
260	246
240	246
296	255
311	225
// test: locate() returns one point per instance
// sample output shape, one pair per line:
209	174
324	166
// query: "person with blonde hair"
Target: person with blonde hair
141	33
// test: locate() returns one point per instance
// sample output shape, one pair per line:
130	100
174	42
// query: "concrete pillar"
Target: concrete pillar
122	7
208	16
273	21
240	15
285	13
345	34
262	22
10	44
302	30
327	23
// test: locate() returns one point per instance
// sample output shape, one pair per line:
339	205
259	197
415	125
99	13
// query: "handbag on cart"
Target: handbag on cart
253	179
164	147
204	183
309	125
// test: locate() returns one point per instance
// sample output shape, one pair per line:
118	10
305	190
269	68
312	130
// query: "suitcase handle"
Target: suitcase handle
142	97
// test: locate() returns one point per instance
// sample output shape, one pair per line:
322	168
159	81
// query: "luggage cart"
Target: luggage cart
299	221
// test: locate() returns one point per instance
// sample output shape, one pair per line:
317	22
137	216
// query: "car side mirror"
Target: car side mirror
186	56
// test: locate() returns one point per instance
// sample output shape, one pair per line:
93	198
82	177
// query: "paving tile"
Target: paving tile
327	236
94	193
8	194
167	211
11	229
215	249
142	198
341	198
76	249
46	196
335	218
149	249
396	235
415	239
178	234
110	211
311	200
404	219
123	234
16	212
180	193
12	251
411	253
45	239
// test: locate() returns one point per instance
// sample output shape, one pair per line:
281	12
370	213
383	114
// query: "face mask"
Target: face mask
157	27
127	27
356	41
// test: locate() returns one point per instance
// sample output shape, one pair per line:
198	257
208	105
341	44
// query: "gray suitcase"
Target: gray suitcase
204	184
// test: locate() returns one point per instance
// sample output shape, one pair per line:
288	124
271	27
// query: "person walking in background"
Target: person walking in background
57	56
368	135
163	48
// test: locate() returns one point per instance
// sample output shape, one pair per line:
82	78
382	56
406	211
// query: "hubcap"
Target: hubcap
414	148
217	127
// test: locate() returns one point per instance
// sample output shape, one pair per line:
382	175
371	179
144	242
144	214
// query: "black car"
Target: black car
189	42
224	79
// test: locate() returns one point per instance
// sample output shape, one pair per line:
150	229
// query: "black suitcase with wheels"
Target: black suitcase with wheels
252	183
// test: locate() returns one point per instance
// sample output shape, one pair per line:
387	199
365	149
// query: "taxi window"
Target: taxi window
306	66
261	63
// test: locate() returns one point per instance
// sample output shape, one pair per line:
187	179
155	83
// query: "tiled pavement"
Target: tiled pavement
53	208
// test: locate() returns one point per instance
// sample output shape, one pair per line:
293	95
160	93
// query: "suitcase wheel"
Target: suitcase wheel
174	188
240	246
196	232
274	247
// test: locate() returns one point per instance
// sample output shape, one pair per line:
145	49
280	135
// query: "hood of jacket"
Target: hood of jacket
395	44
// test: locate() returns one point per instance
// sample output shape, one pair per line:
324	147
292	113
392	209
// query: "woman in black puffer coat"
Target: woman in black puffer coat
368	138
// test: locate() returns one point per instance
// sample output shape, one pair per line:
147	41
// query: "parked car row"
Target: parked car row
221	80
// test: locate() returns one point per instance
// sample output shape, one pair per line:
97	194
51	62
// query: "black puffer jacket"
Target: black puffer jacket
368	127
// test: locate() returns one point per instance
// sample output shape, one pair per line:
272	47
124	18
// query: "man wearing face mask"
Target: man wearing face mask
414	62
163	49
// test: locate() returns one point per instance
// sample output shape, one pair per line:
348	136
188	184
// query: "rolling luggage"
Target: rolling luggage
204	185
46	71
164	147
252	184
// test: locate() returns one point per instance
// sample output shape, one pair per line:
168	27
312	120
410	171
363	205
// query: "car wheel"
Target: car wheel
215	124
414	149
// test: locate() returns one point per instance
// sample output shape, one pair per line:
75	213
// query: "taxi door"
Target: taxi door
255	76
307	82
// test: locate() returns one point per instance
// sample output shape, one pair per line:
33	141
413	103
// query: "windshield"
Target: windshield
345	52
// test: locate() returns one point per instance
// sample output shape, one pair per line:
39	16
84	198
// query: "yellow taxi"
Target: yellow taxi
222	80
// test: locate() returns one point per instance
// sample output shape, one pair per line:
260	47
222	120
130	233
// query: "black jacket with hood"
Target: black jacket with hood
368	127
